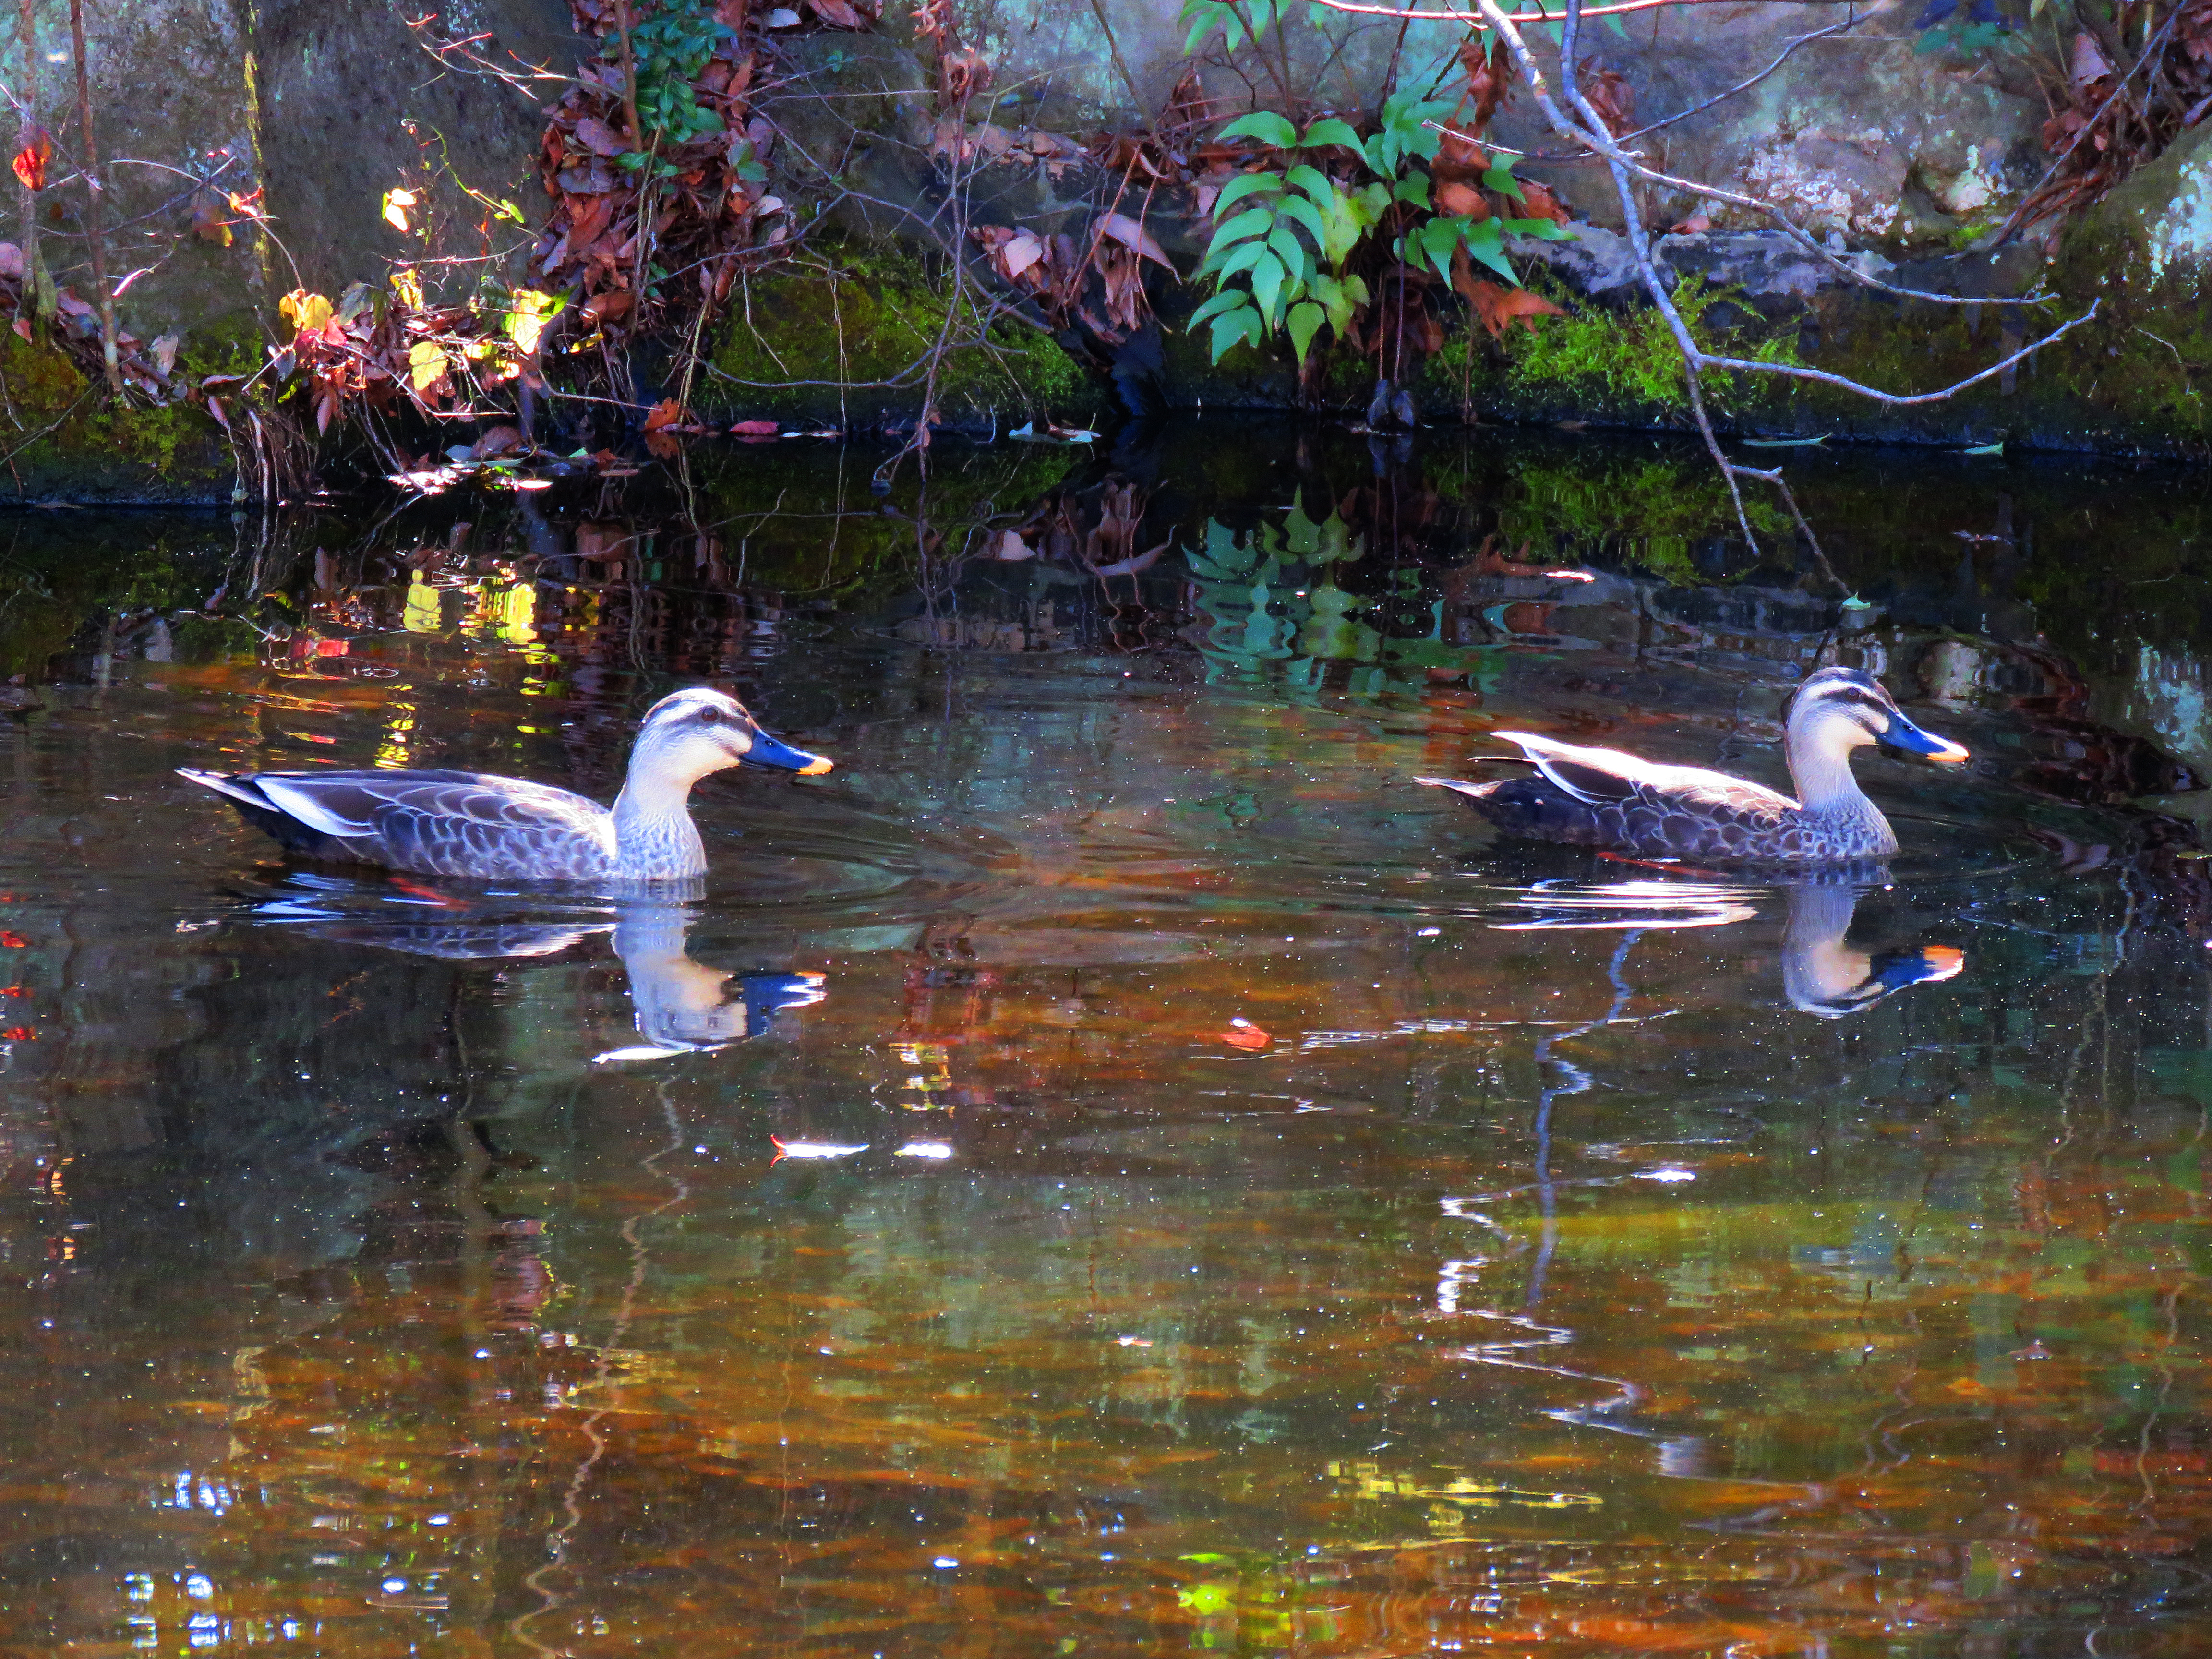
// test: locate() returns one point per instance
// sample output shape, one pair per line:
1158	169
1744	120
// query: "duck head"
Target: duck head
1839	710
690	733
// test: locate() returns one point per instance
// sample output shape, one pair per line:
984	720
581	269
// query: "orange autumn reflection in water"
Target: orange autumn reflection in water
1168	1188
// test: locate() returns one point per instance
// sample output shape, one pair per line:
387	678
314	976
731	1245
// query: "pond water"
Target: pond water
1116	1167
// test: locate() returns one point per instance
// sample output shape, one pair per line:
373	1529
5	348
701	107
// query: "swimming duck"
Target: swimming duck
485	828
1603	798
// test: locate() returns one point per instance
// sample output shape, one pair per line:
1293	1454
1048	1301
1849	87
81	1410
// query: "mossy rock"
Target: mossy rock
69	443
871	320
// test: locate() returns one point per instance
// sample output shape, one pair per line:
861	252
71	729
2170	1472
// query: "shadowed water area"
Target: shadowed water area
1116	1167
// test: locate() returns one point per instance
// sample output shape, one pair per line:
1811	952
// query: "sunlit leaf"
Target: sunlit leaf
426	364
530	311
397	205
305	310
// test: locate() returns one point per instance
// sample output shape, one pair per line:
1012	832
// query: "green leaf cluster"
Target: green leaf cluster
671	49
1281	239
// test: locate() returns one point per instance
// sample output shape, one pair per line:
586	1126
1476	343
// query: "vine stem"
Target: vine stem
94	212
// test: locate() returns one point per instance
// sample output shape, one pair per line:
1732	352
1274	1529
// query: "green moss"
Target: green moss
66	439
230	344
1614	358
869	321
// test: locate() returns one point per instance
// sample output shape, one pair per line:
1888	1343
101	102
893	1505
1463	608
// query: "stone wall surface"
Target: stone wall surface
1902	154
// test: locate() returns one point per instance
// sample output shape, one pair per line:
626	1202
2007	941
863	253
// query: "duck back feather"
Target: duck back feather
468	824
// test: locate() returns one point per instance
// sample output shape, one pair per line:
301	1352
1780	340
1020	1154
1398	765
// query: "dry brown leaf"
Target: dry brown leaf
1019	253
600	138
666	413
1132	234
208	222
837	13
1455	200
2089	64
1541	204
1498	308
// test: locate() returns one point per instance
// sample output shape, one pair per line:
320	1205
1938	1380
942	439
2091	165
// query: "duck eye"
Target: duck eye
709	716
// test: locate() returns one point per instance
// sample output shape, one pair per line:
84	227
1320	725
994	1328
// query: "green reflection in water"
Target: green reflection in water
1211	1202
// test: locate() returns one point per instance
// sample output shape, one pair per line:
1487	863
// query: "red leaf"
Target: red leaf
30	161
758	429
1243	1034
599	137
666	413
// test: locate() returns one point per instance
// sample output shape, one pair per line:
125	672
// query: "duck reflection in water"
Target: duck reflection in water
1823	974
681	1005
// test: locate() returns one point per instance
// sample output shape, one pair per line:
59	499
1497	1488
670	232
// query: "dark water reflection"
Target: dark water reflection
1116	1167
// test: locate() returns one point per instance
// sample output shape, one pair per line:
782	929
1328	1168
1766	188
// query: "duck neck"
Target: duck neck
655	836
1826	787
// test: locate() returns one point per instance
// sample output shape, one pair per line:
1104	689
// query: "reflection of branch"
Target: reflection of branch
557	1543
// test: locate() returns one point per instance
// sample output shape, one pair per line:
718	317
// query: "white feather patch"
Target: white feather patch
303	804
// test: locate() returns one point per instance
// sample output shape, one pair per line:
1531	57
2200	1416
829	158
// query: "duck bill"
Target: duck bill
1904	735
768	751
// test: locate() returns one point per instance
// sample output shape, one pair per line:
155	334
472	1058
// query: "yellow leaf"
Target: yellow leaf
525	324
305	310
407	287
426	362
396	203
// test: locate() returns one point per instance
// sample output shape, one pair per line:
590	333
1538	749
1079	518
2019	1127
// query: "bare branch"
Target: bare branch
1799	372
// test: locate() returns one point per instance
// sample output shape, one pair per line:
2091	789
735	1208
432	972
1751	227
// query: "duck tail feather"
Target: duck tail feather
227	785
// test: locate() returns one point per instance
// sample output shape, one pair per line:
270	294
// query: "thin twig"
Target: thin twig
93	213
1850	22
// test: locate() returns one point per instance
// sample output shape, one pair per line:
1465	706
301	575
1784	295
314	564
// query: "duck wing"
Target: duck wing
1603	776
448	823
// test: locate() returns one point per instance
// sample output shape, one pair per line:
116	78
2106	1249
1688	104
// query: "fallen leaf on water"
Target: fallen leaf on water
758	429
1243	1034
666	413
